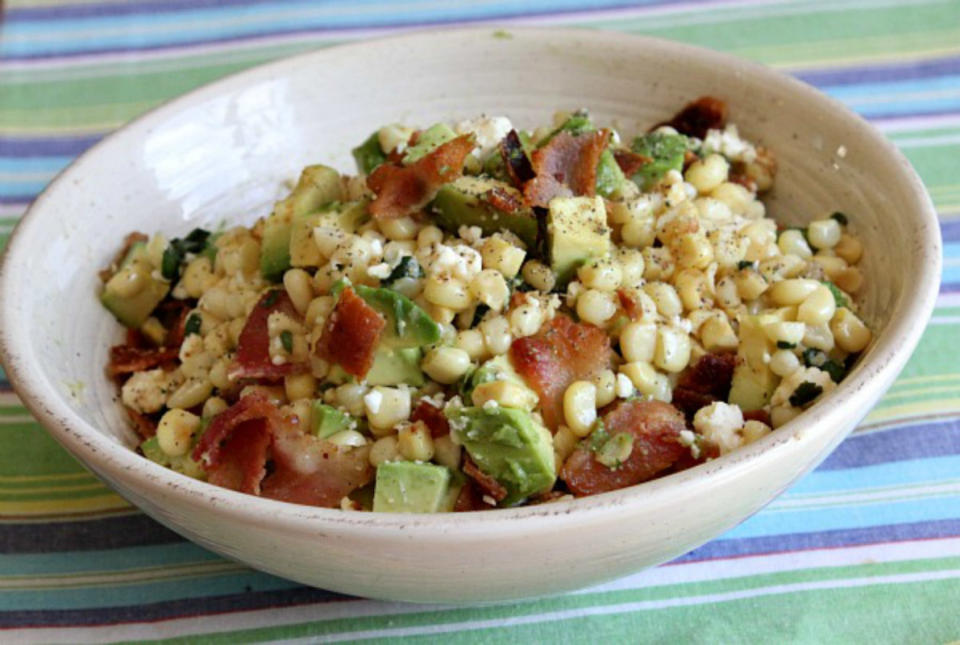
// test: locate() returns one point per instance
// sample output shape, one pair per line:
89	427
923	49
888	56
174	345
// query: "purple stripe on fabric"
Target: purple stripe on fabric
46	146
881	73
85	535
833	539
950	230
914	441
187	608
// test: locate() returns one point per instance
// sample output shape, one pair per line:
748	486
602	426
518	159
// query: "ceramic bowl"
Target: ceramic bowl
223	152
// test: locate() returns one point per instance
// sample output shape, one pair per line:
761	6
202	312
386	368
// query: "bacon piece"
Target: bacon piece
308	470
629	161
696	117
470	499
502	200
432	417
760	415
402	190
144	425
567	165
351	334
177	325
487	484
559	354
126	359
655	427
253	347
243	458
704	382
629	304
251	407
515	159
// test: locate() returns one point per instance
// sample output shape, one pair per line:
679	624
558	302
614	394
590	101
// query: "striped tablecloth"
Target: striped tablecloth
866	548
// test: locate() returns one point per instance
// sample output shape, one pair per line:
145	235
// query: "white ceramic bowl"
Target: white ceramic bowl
222	153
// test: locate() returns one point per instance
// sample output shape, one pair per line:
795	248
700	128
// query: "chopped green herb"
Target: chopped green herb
408	267
271	299
838	296
745	264
816	358
478	314
192	326
176	251
842	219
170	265
804	394
286	339
782	344
835	370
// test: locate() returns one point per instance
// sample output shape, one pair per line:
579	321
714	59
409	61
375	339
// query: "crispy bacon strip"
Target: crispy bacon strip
470	499
502	200
567	165
144	425
432	417
126	359
629	304
402	190
704	382
655	427
760	415
487	484
176	329
559	354
243	458
629	161
251	407
308	470
253	347
705	113
515	159
351	334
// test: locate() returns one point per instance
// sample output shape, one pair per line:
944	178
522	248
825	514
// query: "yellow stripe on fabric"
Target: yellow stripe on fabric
45	478
76	488
64	507
112	578
884	413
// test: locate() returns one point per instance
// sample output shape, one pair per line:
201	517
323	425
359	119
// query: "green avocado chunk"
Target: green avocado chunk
184	464
461	203
410	487
429	140
327	420
609	176
347	217
508	445
667	152
576	232
396	366
318	186
133	309
407	324
369	154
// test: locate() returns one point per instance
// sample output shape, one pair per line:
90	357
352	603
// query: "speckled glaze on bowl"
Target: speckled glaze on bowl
223	152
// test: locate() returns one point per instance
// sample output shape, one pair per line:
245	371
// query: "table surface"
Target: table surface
867	547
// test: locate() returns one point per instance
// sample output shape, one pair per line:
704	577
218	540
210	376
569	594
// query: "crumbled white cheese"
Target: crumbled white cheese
488	131
728	143
624	386
470	234
147	392
380	271
459	261
372	401
719	424
490	404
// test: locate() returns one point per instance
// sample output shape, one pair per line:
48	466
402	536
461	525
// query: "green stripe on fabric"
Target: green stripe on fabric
758	586
27	449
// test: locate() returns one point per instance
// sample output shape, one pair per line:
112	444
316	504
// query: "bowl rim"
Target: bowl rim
869	379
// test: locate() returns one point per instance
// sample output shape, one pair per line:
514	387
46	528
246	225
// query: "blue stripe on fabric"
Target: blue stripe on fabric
902	443
880	73
950	229
894	474
892	89
20	190
105	559
723	547
27	147
51	165
951	271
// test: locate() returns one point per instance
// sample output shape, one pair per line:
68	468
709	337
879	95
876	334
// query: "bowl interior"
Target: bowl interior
224	153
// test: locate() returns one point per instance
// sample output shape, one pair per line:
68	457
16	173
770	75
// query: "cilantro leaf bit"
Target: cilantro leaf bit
804	394
745	264
782	344
815	358
271	299
842	219
598	437
192	326
408	267
175	253
286	339
478	314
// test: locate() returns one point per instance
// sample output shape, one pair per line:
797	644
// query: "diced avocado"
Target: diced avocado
328	420
318	186
753	381
133	308
407	324
429	140
578	123
609	176
396	366
368	154
666	151
461	203
576	232
498	368
183	464
410	487
303	250
508	445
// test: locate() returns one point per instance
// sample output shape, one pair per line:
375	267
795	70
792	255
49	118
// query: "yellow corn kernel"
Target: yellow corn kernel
539	275
446	364
496	334
647	380
849	332
386	407
673	349
850	279
750	284
447	292
299	386
564	443
506	394
693	250
500	255
175	431
490	288
596	307
818	307
580	407
716	334
606	384
194	391
824	233
415	443
603	274
665	297
446	452
383	450
849	248
792	292
708	173
638	341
